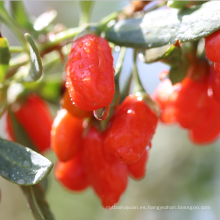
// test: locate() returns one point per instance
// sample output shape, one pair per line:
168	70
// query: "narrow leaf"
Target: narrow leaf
20	14
171	56
45	19
36	68
4	58
166	26
21	165
38	205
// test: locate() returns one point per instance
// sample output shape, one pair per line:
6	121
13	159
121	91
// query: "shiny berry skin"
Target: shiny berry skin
90	73
191	102
217	67
208	130
76	112
162	96
132	129
66	135
212	46
108	176
215	83
137	169
72	174
35	118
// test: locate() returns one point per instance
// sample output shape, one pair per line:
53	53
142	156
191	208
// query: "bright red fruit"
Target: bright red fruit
212	46
191	102
66	135
209	128
90	73
132	129
137	169
35	118
72	174
108	176
215	83
162	96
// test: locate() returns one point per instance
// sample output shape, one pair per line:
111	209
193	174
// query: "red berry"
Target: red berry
35	118
9	128
90	73
162	96
66	135
209	128
108	176
137	169
212	47
215	83
132	129
217	67
190	103
72	174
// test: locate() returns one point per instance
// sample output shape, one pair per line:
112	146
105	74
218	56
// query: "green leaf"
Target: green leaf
11	24
45	19
36	69
178	4
37	203
166	26
177	74
171	55
19	13
4	58
21	165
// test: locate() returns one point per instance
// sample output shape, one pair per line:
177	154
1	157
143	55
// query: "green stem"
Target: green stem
60	37
126	87
15	49
103	23
138	87
86	8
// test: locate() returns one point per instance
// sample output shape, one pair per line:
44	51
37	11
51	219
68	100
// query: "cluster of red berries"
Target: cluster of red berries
88	156
195	102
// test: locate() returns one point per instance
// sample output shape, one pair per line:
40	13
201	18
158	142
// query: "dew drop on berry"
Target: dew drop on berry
86	50
80	45
81	65
88	44
74	56
92	68
75	77
103	78
102	113
101	87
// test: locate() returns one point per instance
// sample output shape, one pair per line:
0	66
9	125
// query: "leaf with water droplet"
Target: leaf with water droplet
21	165
165	26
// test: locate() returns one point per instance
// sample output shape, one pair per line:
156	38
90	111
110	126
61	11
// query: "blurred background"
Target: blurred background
178	172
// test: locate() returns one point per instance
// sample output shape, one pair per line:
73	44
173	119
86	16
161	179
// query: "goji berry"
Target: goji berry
108	176
35	118
209	128
215	83
73	109
90	73
137	169
132	129
9	128
66	135
72	174
212	46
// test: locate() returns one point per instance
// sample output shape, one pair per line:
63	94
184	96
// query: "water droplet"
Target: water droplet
101	87
130	111
92	68
26	163
21	182
18	151
103	78
88	44
81	65
32	172
80	44
8	150
74	56
17	172
117	48
102	60
5	173
75	77
86	50
85	79
102	113
28	149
